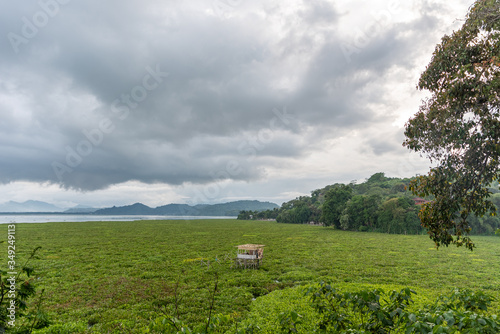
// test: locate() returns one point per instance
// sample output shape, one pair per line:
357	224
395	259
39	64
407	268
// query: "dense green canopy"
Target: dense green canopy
459	125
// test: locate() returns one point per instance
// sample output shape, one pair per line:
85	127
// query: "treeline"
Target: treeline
487	224
380	204
258	215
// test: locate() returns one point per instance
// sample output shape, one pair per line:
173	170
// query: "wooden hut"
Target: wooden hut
249	256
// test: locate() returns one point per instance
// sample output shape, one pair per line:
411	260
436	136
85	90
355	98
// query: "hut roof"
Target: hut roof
250	246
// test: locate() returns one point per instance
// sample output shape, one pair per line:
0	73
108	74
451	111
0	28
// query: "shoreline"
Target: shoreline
69	218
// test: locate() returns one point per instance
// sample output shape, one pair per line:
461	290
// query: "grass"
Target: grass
107	275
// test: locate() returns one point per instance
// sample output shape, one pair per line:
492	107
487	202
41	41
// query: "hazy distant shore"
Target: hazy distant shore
9	218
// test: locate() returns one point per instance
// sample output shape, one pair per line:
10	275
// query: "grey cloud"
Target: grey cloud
219	94
381	146
386	141
320	11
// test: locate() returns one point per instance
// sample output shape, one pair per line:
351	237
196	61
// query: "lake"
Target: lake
40	218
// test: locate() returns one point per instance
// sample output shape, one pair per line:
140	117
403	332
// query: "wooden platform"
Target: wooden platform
249	256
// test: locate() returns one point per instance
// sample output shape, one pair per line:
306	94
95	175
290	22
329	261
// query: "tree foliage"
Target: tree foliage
298	212
360	213
380	204
356	206
15	293
459	125
335	201
260	215
365	311
399	215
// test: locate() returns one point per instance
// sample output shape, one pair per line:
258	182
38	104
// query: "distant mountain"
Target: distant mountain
234	208
224	209
29	206
177	210
134	209
80	209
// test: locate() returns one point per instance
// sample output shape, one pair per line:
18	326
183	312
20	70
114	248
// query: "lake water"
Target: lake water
5	219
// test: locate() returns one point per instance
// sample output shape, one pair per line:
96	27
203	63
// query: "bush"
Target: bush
279	311
325	309
15	293
69	328
375	311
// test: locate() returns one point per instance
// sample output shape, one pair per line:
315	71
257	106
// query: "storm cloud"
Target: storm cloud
94	94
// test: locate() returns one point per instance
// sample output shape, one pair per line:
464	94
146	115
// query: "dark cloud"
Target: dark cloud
86	101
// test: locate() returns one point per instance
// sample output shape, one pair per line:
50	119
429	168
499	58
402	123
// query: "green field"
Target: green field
106	276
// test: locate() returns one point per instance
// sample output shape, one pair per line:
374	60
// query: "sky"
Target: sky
115	102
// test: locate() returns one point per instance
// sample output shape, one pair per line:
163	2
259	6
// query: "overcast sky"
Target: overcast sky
115	102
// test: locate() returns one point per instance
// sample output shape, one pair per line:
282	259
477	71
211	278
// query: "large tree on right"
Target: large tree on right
458	127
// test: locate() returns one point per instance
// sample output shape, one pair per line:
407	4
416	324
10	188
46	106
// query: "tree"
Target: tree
398	215
297	211
245	215
360	213
458	127
335	201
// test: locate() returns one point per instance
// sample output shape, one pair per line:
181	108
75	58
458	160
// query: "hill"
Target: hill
134	209
222	209
379	204
28	206
80	209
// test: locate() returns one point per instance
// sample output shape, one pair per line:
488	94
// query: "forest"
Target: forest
379	204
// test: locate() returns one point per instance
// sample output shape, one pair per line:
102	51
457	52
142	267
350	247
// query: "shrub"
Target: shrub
69	328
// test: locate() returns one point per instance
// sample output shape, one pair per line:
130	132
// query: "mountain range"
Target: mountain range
28	206
223	209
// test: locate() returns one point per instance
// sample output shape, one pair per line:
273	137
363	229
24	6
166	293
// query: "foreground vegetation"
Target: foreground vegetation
115	277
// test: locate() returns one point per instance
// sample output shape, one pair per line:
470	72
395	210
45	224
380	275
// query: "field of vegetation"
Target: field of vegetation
118	277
